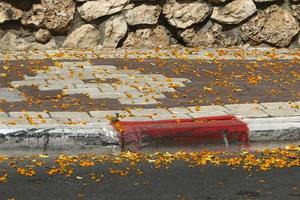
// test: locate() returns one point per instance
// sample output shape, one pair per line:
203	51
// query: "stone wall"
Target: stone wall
50	24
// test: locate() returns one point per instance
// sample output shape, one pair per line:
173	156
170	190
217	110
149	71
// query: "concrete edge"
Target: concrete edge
260	129
175	53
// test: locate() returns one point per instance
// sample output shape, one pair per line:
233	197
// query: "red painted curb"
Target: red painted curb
200	129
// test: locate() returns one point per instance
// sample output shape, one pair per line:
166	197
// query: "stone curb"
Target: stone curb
260	129
183	53
264	121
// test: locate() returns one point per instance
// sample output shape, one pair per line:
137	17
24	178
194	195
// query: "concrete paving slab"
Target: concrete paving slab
252	113
11	95
110	113
241	107
29	114
136	119
279	105
179	110
207	108
282	112
207	114
70	115
146	112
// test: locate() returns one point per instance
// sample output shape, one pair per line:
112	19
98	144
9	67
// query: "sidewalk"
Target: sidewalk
68	94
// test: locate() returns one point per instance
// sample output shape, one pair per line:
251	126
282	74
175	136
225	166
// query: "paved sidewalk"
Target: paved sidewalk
80	93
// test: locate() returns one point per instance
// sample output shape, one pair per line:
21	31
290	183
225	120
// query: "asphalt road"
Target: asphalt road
178	182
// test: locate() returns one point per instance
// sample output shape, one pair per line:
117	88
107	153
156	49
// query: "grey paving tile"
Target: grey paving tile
30	114
171	117
207	114
150	112
27	83
11	95
252	113
70	115
136	119
3	115
237	107
207	108
110	113
281	112
278	105
179	110
49	87
101	67
107	95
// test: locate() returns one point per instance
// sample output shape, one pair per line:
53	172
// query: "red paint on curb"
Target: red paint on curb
204	128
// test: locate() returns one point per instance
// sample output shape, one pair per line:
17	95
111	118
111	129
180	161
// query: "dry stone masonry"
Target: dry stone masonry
136	24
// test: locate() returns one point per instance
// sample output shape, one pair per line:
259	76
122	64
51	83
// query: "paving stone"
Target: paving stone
160	85
290	119
107	95
70	115
133	79
105	114
86	85
88	121
282	112
30	114
65	82
123	88
251	113
251	106
99	121
57	121
62	72
155	95
41	76
137	85
49	87
171	116
207	114
156	77
101	67
105	87
137	101
87	91
128	71
27	83
14	121
278	105
136	119
179	110
110	76
150	112
3	115
207	108
46	121
11	95
86	76
75	64
103	76
182	80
